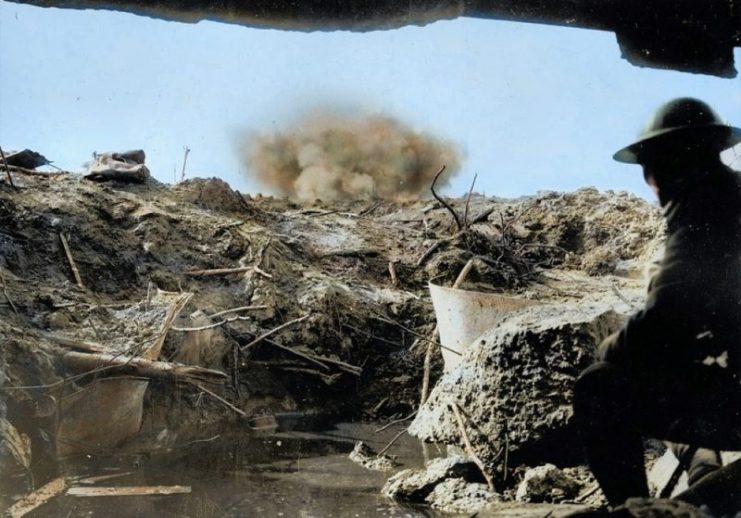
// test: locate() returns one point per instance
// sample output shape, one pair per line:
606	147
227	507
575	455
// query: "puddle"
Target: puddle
305	474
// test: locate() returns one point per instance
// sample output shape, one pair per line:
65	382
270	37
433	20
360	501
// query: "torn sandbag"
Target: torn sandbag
127	166
26	159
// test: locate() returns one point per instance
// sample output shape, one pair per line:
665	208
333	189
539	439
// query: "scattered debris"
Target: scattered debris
364	455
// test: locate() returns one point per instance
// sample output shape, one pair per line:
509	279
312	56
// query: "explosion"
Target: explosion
332	157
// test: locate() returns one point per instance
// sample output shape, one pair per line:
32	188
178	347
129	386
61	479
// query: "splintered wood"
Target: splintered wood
130	365
71	260
37	498
128	491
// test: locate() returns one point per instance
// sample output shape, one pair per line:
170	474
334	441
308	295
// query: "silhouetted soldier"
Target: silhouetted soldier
673	371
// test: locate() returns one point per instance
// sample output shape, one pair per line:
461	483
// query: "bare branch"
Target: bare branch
469	447
445	204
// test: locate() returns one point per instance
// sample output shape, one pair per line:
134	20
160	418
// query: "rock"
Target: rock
455	495
547	483
364	455
517	379
414	485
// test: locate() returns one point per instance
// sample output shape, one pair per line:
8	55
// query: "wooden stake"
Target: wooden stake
463	274
427	369
186	151
237	310
468	201
71	261
209	326
218	271
392	272
469	447
7	169
396	438
220	399
395	421
7	297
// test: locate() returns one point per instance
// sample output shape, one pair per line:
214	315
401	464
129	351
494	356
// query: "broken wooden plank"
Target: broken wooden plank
153	352
101	478
130	365
37	498
218	271
127	491
79	345
71	260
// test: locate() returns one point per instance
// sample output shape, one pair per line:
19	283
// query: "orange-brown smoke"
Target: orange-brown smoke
332	157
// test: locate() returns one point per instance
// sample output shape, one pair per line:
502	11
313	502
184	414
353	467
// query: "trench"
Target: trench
287	473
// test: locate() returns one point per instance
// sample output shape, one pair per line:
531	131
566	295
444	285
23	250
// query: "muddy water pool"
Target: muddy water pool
283	474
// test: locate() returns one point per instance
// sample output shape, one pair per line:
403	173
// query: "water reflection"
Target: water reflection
303	474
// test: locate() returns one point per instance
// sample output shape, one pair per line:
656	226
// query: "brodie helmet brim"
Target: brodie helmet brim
724	136
680	119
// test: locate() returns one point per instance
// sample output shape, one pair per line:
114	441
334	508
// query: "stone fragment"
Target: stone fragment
455	495
413	485
547	483
517	381
364	455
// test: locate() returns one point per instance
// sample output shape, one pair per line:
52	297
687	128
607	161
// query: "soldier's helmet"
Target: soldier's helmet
682	119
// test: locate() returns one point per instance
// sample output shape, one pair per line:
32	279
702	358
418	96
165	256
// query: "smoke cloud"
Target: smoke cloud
332	157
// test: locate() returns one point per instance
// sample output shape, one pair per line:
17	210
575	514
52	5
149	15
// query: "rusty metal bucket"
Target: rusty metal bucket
463	316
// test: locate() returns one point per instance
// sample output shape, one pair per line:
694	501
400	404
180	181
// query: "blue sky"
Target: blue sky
531	107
